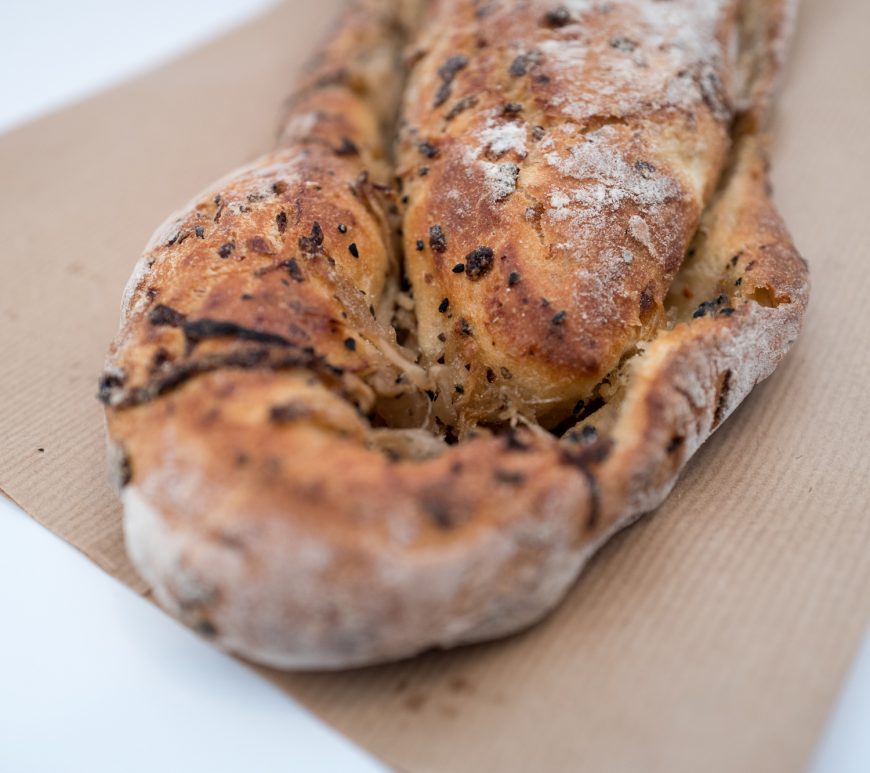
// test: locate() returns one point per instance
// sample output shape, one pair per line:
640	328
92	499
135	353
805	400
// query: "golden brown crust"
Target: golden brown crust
590	142
266	500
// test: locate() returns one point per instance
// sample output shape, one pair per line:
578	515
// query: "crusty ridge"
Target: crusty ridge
265	387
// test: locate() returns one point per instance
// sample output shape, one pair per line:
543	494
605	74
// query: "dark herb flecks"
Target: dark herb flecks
646	300
437	239
347	148
478	262
460	106
645	169
312	244
558	17
447	72
284	414
675	443
294	270
623	44
109	385
439	512
709	307
509	477
428	149
523	63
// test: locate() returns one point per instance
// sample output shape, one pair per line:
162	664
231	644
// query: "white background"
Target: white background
92	677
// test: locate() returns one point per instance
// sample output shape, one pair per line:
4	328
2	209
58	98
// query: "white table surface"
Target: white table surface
94	678
69	669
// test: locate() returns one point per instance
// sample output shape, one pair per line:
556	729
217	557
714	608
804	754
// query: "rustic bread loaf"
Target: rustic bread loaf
370	397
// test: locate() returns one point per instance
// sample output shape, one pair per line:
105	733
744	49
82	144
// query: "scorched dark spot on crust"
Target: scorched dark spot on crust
163	316
203	329
585	459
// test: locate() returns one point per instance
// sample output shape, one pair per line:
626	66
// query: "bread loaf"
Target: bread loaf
388	387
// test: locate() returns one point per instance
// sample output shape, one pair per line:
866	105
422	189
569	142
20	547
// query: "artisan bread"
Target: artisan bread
371	397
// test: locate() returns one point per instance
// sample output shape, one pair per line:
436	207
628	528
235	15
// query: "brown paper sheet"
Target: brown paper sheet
711	636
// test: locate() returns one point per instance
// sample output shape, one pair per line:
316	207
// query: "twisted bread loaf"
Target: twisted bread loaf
360	405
